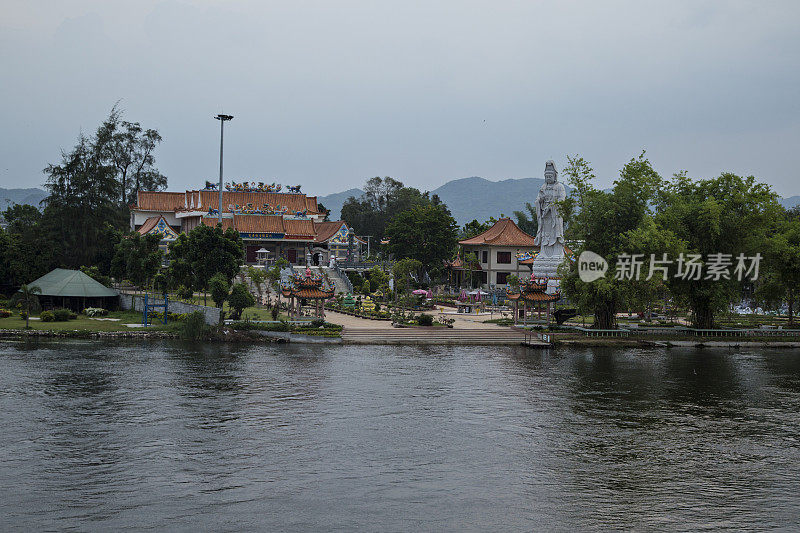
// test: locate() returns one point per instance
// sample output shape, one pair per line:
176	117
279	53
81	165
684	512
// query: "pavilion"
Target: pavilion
307	286
72	289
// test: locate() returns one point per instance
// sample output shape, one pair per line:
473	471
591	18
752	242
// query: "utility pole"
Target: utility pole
222	118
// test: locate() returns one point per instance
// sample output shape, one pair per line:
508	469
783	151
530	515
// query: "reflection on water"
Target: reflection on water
188	436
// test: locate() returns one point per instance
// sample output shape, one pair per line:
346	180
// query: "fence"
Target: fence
130	302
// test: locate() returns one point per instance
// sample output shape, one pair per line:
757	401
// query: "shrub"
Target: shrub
194	327
62	315
185	293
240	299
5	313
95	311
275	312
23	314
425	320
47	316
318	322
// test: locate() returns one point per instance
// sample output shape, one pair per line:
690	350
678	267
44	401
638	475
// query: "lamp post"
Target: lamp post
222	118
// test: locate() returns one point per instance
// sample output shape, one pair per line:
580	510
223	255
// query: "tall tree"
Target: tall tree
128	149
728	215
425	233
203	252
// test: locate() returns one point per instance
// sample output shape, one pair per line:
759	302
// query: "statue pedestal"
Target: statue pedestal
546	265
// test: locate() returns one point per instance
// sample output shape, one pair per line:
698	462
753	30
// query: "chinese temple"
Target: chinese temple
286	224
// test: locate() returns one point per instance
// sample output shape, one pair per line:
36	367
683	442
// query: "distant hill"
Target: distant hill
21	196
790	202
479	198
334	202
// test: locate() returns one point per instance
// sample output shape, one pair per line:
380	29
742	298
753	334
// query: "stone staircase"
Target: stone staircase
390	335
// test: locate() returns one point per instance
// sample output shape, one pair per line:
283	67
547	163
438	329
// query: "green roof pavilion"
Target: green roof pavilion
74	289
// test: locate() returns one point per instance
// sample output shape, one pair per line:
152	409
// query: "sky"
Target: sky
327	94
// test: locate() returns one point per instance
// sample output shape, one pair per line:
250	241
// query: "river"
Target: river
163	435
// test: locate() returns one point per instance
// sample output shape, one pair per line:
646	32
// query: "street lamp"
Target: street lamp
222	118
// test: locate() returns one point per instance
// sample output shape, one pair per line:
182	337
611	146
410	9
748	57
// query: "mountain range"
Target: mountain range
21	196
467	198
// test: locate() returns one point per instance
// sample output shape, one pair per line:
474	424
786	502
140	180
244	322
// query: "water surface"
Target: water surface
307	438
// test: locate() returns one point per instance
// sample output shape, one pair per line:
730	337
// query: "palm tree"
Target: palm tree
27	297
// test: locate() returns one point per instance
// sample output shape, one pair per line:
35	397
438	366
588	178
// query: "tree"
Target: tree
324	210
195	257
527	222
471	262
94	273
474	228
781	280
137	258
425	233
27	297
405	271
602	224
80	207
257	276
240	299
128	149
382	200
219	286
729	215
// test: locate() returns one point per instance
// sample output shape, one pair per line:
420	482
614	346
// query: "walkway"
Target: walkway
465	331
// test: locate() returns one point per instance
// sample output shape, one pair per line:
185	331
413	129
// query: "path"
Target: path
466	330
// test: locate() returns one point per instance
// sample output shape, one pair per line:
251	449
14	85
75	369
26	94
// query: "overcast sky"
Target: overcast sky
327	94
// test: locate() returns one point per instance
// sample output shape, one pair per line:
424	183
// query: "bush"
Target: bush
425	320
185	293
23	314
240	299
317	323
95	311
194	327
5	313
62	315
47	316
275	312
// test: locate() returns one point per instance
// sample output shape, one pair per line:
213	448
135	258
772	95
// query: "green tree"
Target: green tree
258	276
195	257
725	215
405	272
128	149
527	222
425	233
28	299
382	200
603	224
137	258
240	299
94	273
781	275
82	201
219	287
474	228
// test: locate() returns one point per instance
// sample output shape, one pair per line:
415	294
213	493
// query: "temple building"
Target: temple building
272	224
502	250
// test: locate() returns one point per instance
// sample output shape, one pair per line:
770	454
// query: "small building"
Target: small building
500	251
72	289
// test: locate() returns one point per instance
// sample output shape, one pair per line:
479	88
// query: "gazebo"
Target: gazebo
74	290
307	287
532	292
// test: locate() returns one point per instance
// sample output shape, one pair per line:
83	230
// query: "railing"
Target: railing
342	276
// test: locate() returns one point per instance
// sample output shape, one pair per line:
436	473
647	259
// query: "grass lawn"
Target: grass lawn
85	323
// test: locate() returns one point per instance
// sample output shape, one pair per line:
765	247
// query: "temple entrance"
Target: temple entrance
316	258
291	256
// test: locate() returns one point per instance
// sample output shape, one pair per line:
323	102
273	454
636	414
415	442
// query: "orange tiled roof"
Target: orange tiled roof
149	224
259	223
294	202
312	293
326	230
160	201
311	204
213	221
299	228
535	297
504	233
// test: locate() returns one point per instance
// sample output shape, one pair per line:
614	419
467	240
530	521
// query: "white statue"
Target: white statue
550	235
551	225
